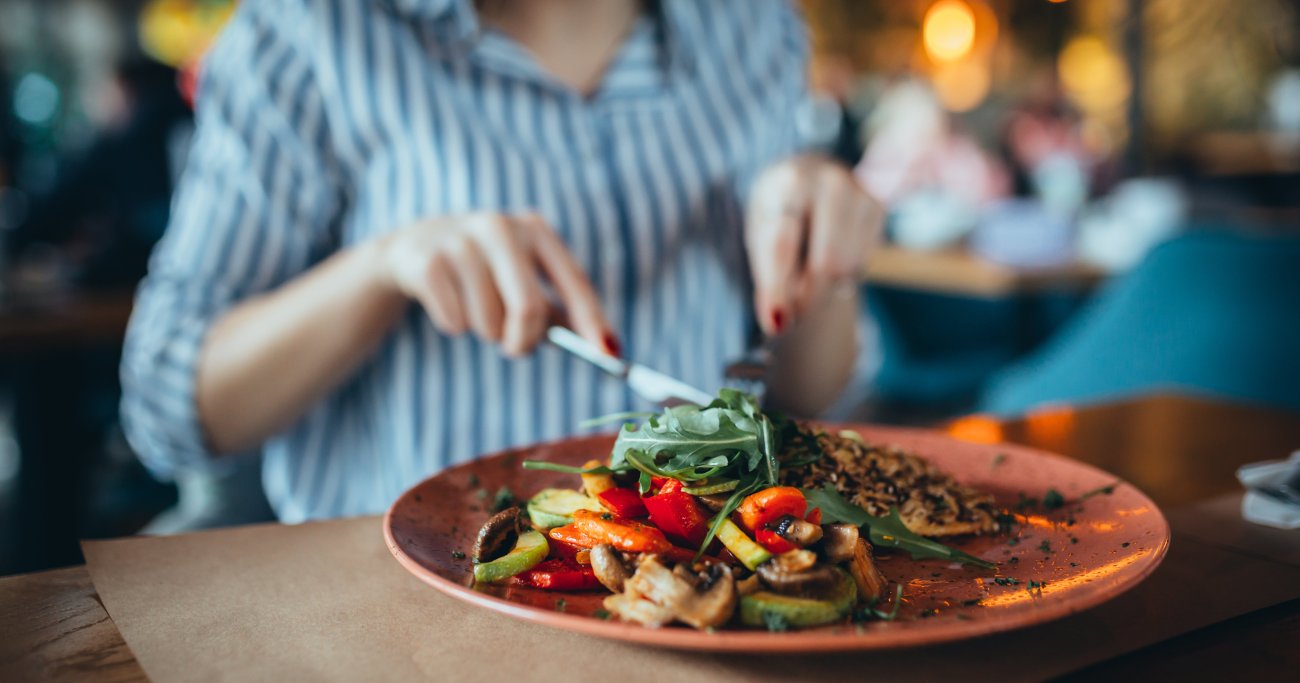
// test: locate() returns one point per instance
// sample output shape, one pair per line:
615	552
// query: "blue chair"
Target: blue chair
1210	312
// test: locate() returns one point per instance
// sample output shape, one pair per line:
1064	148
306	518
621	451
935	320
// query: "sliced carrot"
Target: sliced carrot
625	535
570	535
769	505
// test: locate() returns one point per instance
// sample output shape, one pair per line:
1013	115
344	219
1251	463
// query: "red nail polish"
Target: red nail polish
612	346
778	319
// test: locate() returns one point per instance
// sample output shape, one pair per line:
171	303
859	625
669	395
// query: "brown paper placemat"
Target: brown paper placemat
325	601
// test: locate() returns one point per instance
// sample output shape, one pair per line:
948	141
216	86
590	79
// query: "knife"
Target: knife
649	384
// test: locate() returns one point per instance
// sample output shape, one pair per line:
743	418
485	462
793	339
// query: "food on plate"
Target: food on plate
723	514
877	478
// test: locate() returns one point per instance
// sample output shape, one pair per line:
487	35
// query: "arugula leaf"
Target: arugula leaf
887	532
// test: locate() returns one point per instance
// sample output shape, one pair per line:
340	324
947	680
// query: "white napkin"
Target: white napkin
1266	510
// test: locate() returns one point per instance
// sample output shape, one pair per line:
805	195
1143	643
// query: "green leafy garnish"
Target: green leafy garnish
730	440
1053	499
601	613
887	532
775	622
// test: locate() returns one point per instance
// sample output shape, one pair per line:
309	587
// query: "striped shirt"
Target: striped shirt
324	123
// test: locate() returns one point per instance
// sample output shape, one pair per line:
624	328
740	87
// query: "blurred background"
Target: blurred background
1087	199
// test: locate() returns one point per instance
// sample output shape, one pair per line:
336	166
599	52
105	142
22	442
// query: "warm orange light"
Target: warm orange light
948	30
962	86
977	429
1050	427
1093	74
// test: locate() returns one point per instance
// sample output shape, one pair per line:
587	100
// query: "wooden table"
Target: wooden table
961	272
1178	449
38	321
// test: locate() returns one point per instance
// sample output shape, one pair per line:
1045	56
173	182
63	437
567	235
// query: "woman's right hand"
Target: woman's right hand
489	273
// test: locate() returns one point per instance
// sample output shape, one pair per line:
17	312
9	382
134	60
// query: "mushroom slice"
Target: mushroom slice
748	585
871	585
632	607
710	602
795	561
812	580
497	536
839	542
609	568
797	531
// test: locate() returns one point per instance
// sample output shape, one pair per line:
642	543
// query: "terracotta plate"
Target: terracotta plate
1082	554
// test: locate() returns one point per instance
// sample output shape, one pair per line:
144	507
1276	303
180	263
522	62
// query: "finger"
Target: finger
482	301
439	293
509	257
834	240
776	241
581	305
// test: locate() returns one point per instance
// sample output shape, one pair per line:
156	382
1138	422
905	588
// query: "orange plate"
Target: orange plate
1095	550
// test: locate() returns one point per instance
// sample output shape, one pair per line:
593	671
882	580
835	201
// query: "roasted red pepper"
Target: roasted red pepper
678	515
774	543
559	575
564	548
814	516
624	503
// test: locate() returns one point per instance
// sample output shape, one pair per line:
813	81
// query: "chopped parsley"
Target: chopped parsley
602	614
1045	546
1074	564
481	494
998	460
503	499
775	622
1014	560
1105	490
1035	586
560	605
1013	541
606	516
1125	544
971	603
1074	539
1053	499
1026	503
1006	581
458	554
473	479
927	613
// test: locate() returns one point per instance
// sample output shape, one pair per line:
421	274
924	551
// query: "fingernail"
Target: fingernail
612	346
778	319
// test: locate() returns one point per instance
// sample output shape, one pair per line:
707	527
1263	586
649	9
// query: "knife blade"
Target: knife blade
646	382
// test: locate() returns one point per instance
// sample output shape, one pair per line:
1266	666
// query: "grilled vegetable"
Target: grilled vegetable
743	547
529	550
555	507
764	607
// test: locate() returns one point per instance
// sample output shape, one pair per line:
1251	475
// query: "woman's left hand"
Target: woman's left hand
809	229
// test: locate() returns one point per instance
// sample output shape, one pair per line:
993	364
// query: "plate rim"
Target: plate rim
850	640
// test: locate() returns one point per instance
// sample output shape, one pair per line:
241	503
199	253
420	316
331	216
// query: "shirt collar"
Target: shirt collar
458	21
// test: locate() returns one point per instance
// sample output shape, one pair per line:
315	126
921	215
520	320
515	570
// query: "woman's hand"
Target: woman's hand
809	229
489	273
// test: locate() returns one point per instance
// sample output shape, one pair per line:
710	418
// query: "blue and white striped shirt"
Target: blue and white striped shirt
324	123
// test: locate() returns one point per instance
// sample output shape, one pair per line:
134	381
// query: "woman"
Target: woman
500	164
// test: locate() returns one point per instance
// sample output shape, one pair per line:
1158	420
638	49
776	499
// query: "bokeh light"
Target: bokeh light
36	99
962	86
1093	74
948	30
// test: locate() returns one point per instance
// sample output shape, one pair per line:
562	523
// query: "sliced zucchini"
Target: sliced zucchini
554	507
529	550
800	612
710	489
742	546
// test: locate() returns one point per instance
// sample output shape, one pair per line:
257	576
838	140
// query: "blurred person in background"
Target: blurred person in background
387	201
109	204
